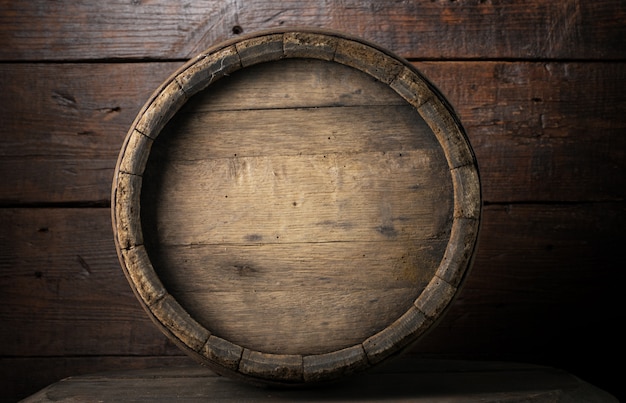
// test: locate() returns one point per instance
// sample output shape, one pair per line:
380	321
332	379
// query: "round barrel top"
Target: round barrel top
293	206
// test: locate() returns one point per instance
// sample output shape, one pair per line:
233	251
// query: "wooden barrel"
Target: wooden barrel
294	206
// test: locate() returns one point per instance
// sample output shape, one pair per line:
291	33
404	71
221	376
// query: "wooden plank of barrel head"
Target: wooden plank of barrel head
294	206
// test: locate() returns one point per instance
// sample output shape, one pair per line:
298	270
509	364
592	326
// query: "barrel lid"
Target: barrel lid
294	206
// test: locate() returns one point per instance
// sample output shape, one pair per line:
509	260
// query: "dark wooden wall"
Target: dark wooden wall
539	86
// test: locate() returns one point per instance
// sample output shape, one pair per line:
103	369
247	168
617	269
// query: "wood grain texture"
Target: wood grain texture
529	254
20	377
541	132
62	291
224	353
538	130
282	368
264	183
395	337
300	199
62	134
321	367
41	30
432	380
523	293
538	86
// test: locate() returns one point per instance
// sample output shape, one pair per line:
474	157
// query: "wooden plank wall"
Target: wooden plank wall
539	86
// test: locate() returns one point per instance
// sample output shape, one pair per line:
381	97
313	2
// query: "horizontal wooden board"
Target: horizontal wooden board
296	199
62	127
21	377
62	290
43	30
541	131
442	382
300	132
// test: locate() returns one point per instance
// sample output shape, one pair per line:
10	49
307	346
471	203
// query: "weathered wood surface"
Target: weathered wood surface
523	294
546	123
62	134
253	189
540	131
516	265
23	376
61	287
540	29
426	381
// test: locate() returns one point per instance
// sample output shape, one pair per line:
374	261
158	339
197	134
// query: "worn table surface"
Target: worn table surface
402	380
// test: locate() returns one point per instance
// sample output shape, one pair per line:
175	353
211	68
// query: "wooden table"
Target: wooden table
401	380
